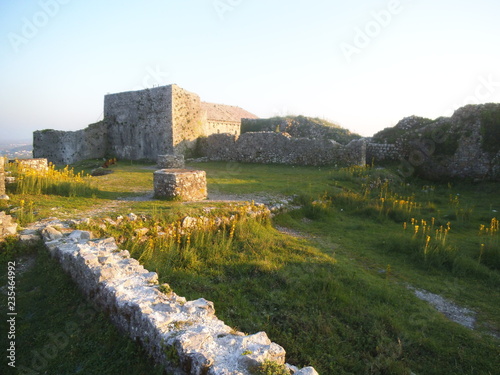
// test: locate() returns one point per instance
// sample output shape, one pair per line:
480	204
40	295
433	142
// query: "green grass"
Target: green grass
336	299
58	331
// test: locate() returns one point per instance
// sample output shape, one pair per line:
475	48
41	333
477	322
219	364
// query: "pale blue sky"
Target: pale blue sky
58	58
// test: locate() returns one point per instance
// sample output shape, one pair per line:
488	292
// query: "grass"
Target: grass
58	331
338	298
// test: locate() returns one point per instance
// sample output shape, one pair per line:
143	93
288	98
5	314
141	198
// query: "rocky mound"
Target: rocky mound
301	127
465	145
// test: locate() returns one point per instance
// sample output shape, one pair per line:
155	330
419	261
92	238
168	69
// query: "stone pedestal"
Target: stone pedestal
170	161
180	184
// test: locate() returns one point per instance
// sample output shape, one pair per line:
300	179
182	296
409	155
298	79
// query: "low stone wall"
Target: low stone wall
184	336
2	177
38	164
281	148
180	184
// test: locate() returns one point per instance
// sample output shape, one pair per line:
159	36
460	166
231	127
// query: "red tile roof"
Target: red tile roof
227	113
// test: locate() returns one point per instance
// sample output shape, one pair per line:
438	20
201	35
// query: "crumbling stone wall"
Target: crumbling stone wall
68	147
139	123
281	148
39	164
184	336
381	152
2	177
187	119
465	145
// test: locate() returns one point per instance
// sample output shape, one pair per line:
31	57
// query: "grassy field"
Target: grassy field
337	294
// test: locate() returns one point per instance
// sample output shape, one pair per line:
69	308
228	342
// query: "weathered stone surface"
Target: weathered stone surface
463	146
141	125
170	161
185	336
2	176
7	226
68	147
50	233
281	148
37	164
180	184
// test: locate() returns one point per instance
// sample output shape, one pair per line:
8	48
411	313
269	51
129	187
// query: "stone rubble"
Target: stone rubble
184	336
7	227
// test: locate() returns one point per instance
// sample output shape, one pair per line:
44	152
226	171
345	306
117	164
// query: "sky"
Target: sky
364	65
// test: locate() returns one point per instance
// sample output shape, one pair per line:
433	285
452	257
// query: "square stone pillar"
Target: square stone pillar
180	184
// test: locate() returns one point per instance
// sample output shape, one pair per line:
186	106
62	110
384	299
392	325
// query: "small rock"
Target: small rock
141	231
189	222
80	235
307	371
50	234
132	217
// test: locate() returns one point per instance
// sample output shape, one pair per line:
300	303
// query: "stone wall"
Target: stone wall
2	177
187	120
221	127
381	152
40	164
281	148
184	336
139	123
68	147
463	146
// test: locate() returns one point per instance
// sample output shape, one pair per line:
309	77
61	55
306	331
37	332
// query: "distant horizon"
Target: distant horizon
29	141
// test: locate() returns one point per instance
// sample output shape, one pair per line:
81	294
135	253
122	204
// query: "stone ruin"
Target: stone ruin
170	161
184	336
168	120
140	125
2	179
180	184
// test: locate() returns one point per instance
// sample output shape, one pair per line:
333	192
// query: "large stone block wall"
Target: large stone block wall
139	123
187	120
280	148
184	336
67	147
221	127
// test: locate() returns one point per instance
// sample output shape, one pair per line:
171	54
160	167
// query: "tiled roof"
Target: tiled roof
228	113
